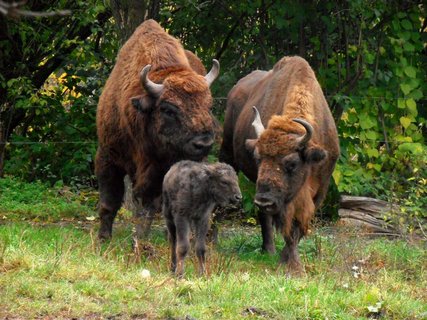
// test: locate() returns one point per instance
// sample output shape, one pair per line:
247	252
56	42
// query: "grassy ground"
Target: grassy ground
59	271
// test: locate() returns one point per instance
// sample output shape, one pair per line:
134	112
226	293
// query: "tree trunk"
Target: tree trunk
129	14
2	153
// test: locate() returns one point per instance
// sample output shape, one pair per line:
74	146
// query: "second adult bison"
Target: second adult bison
292	159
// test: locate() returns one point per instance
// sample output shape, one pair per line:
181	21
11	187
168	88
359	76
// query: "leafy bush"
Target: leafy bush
51	122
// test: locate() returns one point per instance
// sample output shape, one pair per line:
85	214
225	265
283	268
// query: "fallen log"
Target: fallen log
373	215
373	206
365	220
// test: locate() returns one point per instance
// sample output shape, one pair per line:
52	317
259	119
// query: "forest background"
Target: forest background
369	56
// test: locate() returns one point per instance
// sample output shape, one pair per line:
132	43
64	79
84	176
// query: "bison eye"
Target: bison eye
290	166
169	110
223	183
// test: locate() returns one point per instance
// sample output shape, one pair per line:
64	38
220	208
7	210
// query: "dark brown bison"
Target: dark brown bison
293	158
191	191
148	120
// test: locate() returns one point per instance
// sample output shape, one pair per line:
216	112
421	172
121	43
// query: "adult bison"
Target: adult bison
148	120
293	158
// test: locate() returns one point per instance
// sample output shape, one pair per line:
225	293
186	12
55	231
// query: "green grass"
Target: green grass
37	202
62	271
52	266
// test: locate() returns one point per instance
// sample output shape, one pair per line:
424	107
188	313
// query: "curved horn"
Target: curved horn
257	124
309	132
152	88
213	74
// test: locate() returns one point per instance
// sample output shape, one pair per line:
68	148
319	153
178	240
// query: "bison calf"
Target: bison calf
191	190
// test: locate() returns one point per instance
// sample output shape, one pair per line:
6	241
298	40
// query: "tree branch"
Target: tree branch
12	10
228	37
40	76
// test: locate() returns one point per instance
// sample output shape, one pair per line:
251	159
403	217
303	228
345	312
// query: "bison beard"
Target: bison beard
292	159
154	111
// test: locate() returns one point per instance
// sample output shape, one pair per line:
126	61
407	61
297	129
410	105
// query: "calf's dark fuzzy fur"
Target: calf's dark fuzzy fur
191	190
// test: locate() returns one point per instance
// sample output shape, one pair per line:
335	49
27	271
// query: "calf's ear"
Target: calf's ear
143	104
314	154
250	144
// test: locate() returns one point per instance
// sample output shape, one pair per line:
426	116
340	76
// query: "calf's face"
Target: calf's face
224	185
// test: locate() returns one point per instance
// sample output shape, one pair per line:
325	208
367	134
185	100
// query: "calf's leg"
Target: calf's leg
202	227
182	225
172	243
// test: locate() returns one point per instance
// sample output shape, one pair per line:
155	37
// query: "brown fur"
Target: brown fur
195	63
141	143
288	91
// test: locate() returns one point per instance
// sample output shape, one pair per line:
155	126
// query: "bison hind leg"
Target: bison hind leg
111	190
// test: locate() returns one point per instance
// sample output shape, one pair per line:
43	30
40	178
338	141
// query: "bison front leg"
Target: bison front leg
143	218
266	221
289	255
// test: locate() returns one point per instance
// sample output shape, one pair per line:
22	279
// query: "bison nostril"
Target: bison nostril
199	146
263	188
238	197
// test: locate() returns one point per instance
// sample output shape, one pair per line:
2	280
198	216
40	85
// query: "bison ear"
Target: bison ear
314	154
143	103
250	145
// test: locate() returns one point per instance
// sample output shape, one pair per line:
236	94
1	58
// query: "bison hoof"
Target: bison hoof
293	268
104	236
294	271
270	249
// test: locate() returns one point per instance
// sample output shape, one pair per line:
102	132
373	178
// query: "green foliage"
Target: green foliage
53	121
382	131
248	192
368	57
